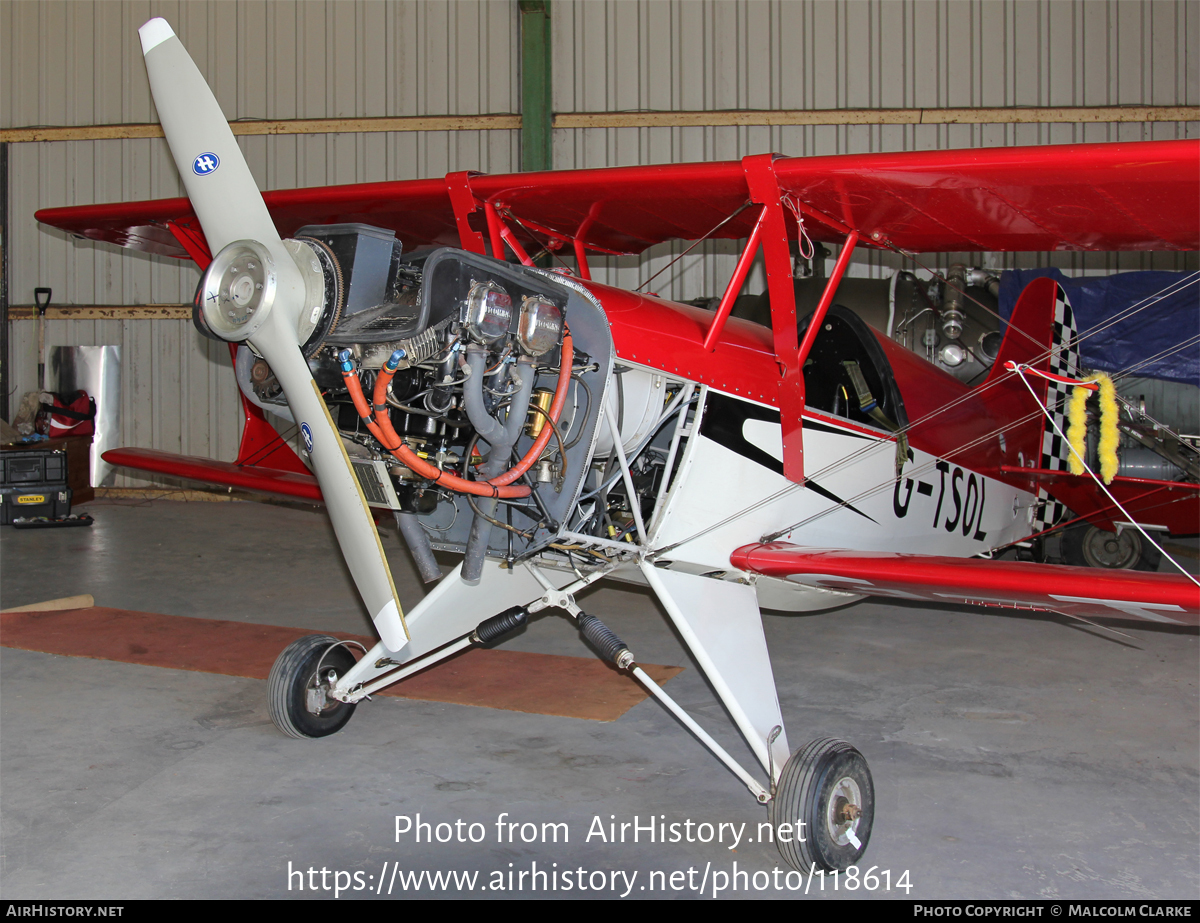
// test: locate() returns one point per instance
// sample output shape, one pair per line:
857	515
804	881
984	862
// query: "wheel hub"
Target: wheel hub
300	688
841	819
316	696
1104	549
845	812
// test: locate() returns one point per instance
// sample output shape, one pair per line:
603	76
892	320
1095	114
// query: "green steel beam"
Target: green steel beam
536	113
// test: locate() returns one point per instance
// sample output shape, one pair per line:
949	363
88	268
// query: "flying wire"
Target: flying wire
884	485
986	386
1101	485
695	243
986	437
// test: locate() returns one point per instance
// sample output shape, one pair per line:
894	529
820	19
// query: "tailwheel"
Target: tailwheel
298	688
825	793
1086	546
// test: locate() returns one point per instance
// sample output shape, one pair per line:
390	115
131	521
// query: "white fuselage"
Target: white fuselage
721	499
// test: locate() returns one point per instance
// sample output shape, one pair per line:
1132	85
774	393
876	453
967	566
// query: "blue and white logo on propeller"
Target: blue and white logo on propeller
306	434
205	164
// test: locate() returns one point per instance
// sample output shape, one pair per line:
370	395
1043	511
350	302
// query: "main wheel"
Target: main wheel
298	687
825	793
1086	546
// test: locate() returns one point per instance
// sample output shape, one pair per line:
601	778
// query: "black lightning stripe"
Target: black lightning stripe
723	421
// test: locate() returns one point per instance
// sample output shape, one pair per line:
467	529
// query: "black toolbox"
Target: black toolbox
33	483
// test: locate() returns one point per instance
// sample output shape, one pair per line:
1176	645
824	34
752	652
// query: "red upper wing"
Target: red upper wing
1127	196
1137	196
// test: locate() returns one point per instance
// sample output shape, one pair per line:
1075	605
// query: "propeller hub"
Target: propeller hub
238	289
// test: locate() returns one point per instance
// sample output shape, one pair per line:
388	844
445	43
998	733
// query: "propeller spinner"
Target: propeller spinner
264	290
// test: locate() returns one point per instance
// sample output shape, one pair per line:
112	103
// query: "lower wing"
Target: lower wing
242	477
1073	591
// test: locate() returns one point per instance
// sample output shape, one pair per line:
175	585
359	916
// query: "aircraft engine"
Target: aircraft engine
467	391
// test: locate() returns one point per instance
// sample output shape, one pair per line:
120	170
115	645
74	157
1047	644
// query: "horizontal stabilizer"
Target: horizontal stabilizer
1170	505
1075	591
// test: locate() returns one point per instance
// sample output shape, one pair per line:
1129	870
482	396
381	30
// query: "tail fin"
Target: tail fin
1041	334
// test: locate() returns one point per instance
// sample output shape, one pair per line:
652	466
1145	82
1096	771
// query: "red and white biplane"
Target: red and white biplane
557	431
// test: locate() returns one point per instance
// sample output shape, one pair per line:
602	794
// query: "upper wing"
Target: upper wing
1125	196
1136	196
1075	591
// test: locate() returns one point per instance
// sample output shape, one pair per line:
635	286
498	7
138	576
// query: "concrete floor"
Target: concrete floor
1013	755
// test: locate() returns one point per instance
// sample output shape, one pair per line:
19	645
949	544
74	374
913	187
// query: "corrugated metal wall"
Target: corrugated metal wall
619	56
276	60
77	63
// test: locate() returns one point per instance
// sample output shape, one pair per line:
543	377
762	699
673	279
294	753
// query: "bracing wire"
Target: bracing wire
888	484
885	485
1101	484
720	224
976	392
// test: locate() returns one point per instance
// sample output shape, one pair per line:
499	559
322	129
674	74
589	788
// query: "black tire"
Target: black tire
817	788
1085	545
294	674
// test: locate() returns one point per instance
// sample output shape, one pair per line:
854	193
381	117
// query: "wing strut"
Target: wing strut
763	185
462	200
735	284
839	269
771	230
501	235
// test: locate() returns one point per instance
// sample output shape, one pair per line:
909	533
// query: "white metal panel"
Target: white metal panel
722	627
177	388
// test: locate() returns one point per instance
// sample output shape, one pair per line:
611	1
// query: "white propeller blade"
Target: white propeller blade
215	174
230	208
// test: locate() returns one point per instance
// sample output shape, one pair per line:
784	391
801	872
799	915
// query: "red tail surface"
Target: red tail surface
1041	334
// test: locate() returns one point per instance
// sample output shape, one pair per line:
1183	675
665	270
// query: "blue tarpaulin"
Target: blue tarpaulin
1147	342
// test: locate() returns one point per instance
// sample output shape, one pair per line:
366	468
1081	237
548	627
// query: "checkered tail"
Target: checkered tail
1064	360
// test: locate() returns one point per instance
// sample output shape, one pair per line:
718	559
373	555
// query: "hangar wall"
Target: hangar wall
284	60
264	60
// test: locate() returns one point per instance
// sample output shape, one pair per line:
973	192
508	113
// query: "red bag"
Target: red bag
71	414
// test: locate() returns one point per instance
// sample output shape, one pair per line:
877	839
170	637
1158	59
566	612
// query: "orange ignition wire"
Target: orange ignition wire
535	451
354	386
381	428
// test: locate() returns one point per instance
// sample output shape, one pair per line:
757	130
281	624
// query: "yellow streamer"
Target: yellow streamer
1109	433
1077	428
1109	436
